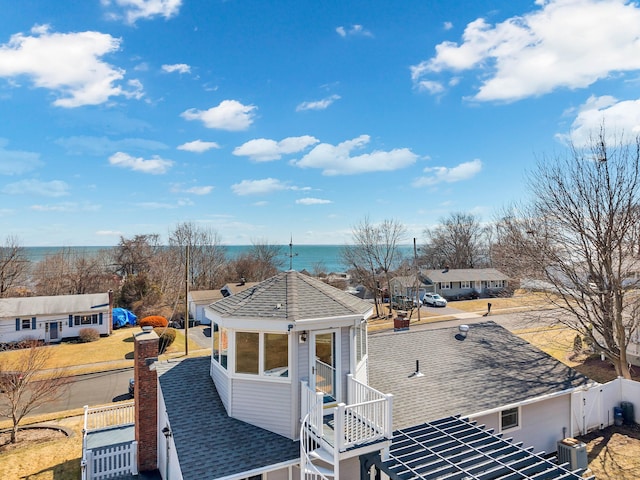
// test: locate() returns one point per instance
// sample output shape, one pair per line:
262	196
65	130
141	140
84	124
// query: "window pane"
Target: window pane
276	354
26	324
216	343
224	347
509	418
247	345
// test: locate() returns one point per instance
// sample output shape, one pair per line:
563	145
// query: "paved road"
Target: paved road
92	389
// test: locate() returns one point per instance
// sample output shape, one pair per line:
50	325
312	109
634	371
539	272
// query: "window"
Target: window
465	284
85	319
509	418
276	354
247	352
220	345
445	285
26	323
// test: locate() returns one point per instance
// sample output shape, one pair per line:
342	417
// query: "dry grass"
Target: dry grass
613	452
114	351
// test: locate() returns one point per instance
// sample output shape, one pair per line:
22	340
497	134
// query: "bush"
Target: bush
154	321
577	343
167	337
87	335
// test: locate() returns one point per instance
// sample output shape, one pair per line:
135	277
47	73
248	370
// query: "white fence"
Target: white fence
110	462
592	409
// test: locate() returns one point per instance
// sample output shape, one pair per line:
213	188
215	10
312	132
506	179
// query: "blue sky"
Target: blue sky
271	120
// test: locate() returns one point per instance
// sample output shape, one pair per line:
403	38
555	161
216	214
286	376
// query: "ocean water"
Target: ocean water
302	256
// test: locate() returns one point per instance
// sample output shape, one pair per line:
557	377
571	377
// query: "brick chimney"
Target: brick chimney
146	399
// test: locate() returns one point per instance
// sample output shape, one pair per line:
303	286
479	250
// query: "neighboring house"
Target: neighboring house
53	318
199	299
466	282
408	286
287	393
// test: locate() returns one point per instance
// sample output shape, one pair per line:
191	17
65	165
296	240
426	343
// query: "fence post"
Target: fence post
389	420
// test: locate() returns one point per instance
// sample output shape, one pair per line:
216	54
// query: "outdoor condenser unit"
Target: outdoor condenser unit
574	453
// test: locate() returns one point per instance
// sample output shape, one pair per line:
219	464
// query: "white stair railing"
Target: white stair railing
325	378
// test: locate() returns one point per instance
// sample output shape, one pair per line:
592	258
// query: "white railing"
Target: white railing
325	378
97	418
311	405
309	443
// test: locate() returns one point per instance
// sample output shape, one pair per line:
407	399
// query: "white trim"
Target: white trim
260	471
517	426
337	354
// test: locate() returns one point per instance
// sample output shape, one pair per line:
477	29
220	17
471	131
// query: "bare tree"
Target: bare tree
14	265
459	241
70	272
579	233
24	386
374	252
207	255
133	255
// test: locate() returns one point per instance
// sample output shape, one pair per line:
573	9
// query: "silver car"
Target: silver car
434	300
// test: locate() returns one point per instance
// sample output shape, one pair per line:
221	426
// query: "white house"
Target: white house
52	318
198	300
292	390
454	283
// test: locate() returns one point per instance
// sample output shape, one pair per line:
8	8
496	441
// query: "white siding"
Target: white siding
221	382
541	423
8	332
264	404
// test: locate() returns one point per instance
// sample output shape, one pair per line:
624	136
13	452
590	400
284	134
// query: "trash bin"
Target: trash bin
617	416
627	413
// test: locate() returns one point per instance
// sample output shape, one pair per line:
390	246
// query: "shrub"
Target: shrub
577	343
167	336
87	335
154	321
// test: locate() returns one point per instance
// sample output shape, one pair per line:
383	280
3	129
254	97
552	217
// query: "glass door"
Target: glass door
324	365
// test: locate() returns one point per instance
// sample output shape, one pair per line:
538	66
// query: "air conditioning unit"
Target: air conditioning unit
573	452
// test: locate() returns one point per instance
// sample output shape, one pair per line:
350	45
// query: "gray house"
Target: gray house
287	394
465	282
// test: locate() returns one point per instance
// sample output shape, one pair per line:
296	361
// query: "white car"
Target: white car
434	300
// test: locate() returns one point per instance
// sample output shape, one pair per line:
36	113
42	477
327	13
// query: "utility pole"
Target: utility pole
186	303
417	284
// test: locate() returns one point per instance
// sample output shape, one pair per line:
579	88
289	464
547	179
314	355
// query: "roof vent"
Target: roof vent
417	373
462	332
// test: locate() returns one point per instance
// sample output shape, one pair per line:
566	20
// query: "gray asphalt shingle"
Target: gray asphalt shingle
292	296
209	443
491	367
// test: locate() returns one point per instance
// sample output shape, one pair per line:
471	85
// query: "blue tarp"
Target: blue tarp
122	317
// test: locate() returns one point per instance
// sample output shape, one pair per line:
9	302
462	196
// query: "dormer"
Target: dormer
272	337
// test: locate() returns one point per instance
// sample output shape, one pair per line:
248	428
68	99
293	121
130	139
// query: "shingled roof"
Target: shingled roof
209	443
291	296
489	368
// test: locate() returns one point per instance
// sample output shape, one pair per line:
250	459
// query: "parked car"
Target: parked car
131	386
434	300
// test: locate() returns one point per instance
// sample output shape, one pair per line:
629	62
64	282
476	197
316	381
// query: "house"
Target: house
483	372
288	393
465	282
53	318
199	299
408	286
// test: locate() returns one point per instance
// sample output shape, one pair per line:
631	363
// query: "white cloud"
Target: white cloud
447	25
68	64
621	118
461	172
177	67
312	201
259	187
109	233
317	104
264	150
198	146
229	115
355	30
564	43
203	190
145	9
16	162
54	188
155	165
337	159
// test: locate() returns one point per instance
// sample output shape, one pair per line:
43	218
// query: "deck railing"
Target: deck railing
325	378
98	418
